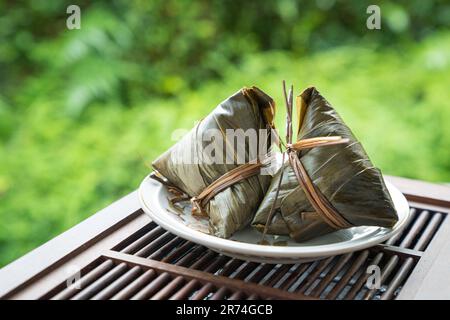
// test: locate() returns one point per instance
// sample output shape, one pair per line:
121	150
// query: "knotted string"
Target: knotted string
199	202
228	179
317	200
233	176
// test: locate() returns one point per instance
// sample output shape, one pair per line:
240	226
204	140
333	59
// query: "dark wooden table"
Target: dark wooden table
119	253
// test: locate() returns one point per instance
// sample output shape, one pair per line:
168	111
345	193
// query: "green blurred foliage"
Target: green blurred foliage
83	112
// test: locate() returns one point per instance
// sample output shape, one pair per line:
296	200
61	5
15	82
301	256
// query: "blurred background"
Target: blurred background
83	112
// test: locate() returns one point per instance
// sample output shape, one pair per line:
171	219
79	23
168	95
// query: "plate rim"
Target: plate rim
287	252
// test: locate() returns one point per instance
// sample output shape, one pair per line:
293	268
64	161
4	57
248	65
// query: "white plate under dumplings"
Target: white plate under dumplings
244	244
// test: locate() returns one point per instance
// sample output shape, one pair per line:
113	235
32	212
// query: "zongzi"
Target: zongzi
222	178
329	183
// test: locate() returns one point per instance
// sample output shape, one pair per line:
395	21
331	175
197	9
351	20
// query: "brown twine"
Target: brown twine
233	176
199	202
228	179
317	200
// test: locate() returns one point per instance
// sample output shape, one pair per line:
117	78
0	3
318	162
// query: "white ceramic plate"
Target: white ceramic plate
244	244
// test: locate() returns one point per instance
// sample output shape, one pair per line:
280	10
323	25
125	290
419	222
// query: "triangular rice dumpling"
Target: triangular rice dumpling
198	160
343	173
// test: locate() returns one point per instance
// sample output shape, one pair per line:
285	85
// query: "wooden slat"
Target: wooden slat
423	192
110	228
403	252
77	239
219	281
430	278
344	281
51	277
